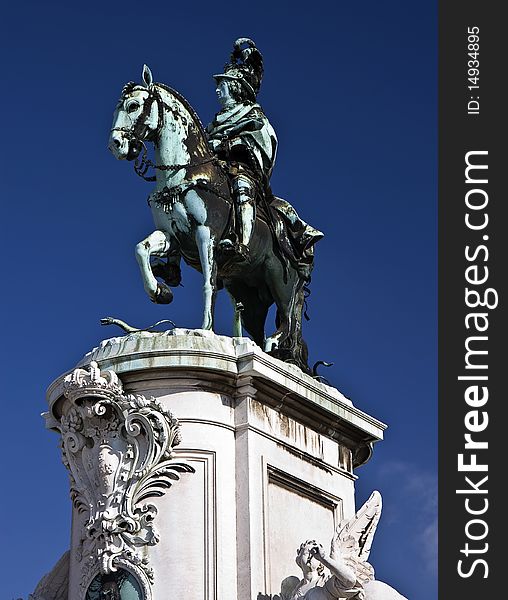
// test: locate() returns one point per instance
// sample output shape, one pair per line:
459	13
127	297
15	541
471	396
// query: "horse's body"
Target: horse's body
192	209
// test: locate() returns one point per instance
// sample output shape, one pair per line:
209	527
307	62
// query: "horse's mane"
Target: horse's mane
131	86
186	105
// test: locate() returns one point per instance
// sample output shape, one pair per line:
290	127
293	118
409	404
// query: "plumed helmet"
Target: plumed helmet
245	66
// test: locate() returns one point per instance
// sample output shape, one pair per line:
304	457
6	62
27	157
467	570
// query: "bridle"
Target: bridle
136	133
136	136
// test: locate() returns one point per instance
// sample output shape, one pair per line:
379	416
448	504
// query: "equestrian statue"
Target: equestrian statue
213	206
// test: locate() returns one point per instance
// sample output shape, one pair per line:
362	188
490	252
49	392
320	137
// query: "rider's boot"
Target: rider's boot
246	204
244	199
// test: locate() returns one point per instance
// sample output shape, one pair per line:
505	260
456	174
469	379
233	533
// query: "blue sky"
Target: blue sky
351	91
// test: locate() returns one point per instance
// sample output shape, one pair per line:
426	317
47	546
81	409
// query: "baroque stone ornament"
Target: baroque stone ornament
118	449
213	205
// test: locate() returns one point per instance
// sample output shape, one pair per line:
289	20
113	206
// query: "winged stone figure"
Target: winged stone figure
345	572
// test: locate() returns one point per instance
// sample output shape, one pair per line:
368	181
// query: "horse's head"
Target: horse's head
136	118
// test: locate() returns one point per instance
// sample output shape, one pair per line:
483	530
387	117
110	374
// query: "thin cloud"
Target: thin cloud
419	488
428	540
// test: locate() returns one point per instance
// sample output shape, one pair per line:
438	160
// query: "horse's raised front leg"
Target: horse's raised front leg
156	243
206	248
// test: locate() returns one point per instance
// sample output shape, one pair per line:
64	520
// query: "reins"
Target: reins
141	165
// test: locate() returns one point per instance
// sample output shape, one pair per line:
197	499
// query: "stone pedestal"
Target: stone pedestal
266	461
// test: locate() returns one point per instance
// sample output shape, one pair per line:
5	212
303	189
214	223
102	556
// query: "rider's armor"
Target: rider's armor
243	138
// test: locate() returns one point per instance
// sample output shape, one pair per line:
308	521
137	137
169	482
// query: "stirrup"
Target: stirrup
226	245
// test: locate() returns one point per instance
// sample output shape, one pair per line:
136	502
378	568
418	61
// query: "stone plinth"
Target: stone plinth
267	453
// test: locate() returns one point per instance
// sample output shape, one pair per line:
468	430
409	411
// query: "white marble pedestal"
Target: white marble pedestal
273	453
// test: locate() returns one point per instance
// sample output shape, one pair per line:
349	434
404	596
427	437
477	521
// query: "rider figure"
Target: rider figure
242	136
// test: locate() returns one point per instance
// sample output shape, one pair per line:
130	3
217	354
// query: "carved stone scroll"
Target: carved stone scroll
118	450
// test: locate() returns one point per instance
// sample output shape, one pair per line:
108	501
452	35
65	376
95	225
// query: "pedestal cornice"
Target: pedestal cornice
199	359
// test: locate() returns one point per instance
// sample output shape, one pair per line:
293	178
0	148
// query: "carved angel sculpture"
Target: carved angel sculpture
345	573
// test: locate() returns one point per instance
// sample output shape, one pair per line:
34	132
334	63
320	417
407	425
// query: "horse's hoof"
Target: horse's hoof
270	346
163	294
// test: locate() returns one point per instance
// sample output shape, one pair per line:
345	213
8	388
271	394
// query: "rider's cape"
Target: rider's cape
262	142
296	238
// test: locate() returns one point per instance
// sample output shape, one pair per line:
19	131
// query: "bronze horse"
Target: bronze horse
193	210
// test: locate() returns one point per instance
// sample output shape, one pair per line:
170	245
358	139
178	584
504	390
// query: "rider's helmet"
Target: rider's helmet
245	67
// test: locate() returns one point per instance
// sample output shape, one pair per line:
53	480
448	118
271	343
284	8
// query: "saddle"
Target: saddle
293	238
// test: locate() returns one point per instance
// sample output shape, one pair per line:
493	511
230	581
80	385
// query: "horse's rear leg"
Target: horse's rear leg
287	342
284	295
254	317
206	248
253	313
156	243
